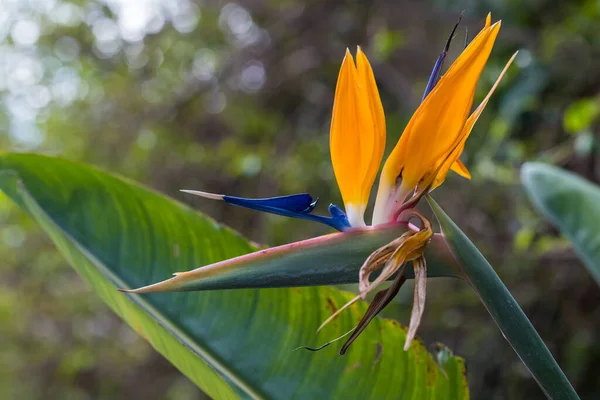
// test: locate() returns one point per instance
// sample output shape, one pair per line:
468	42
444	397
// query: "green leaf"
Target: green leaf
505	311
572	204
580	115
231	343
325	260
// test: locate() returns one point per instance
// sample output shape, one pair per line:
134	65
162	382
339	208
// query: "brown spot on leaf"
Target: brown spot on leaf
431	376
353	366
378	353
331	305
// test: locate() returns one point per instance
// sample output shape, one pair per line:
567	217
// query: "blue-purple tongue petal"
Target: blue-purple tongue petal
295	206
336	212
295	203
437	67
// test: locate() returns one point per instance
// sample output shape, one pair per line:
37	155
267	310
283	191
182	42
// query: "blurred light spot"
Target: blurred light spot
155	24
18	107
5	20
38	96
25	32
236	18
51	63
105	30
26	133
187	18
238	21
253	36
204	65
107	49
250	165
253	76
66	48
42	6
13	236
146	140
92	12
134	16
216	103
65	86
524	58
584	144
67	14
24	71
136	57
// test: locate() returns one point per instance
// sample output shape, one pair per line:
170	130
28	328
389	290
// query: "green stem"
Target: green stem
506	312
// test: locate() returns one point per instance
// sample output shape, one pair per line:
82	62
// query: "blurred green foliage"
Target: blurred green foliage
236	98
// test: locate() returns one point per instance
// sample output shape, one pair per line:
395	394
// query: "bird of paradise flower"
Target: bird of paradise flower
429	147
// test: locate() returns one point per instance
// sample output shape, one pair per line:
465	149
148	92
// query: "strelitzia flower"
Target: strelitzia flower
428	149
435	135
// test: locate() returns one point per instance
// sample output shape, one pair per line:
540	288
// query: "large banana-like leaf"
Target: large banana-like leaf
504	309
231	343
572	204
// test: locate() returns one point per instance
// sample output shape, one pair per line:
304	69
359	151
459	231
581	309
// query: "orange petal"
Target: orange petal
357	135
367	82
460	169
454	156
434	128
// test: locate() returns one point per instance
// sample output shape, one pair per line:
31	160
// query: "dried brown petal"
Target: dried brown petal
420	268
381	300
406	248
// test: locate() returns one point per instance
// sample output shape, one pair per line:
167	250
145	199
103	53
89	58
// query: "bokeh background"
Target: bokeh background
236	98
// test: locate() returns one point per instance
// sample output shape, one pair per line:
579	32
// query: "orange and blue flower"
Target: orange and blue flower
428	149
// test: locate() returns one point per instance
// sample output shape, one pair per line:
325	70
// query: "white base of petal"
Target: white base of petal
356	215
389	200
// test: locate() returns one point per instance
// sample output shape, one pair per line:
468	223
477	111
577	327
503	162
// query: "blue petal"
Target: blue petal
437	67
295	206
295	203
336	212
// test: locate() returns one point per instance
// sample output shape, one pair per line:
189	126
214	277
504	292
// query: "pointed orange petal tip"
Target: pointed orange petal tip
461	169
453	158
357	134
435	128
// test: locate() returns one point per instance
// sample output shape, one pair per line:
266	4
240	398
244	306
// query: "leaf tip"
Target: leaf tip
169	285
206	195
133	291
